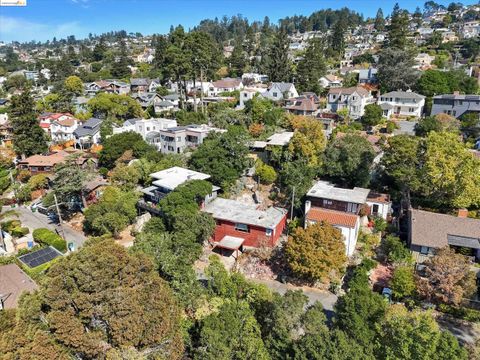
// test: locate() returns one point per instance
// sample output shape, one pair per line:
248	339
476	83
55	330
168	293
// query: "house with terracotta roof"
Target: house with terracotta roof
345	209
46	119
45	164
428	232
354	99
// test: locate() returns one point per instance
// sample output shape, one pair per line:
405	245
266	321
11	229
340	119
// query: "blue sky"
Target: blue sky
43	19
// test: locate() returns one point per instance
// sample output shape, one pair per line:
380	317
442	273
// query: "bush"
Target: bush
23	176
379	224
266	173
48	237
395	251
19	231
37	182
24	193
460	312
9	225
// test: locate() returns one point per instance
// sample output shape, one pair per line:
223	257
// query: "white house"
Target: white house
62	130
254	78
224	85
247	94
88	134
331	81
401	104
423	60
145	126
354	99
280	91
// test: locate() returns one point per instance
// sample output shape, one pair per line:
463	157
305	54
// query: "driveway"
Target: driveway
327	299
35	220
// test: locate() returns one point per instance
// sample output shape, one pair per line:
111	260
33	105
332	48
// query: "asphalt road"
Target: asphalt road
35	220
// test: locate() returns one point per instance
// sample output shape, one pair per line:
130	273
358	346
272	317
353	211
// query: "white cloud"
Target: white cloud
19	29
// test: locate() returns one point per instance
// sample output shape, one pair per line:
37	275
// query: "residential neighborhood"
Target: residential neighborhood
297	182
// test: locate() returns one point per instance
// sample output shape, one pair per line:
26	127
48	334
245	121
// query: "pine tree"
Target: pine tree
379	21
337	40
312	67
398	29
277	64
28	137
120	67
237	60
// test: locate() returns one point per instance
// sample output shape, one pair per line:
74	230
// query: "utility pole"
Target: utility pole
293	201
60	221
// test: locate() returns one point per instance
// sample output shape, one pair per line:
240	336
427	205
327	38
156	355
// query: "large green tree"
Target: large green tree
277	64
28	137
114	107
379	20
120	69
116	145
97	300
398	28
348	160
312	67
395	69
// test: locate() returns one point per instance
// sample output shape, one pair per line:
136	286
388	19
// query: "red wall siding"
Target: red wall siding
252	238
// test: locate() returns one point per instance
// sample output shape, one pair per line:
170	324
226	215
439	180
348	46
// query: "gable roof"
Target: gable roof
282	86
333	217
433	229
91	127
403	95
349	91
139	82
227	83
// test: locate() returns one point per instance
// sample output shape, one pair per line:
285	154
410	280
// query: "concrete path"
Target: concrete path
35	220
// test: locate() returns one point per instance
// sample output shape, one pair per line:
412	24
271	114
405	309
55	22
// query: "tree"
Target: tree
470	125
373	115
395	251
317	252
223	156
337	40
277	64
74	85
437	123
238	60
114	211
433	82
308	141
451	172
28	137
69	181
265	173
398	28
116	145
401	162
231	333
348	160
125	177
379	21
16	82
120	67
312	67
403	282
114	107
97	299
448	278
395	70
413	335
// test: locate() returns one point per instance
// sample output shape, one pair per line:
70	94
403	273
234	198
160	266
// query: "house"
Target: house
354	99
93	190
367	76
154	100
280	91
262	149
62	130
225	85
13	283
455	104
165	181
143	85
330	81
449	36
401	104
145	126
88	134
46	119
424	60
253	78
241	225
175	140
247	94
344	209
108	86
430	231
45	164
308	104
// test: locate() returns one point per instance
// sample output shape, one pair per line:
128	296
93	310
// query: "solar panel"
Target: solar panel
40	257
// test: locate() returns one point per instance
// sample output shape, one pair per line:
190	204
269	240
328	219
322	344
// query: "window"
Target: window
242	227
245	95
375	208
148	128
275	94
268	232
411	110
424	250
327	202
179	138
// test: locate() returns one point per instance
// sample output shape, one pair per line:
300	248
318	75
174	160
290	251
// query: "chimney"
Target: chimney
462	213
308	205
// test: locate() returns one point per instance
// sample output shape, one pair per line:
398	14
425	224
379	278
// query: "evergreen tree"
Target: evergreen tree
337	40
398	29
312	67
277	64
379	21
237	60
120	67
160	44
28	137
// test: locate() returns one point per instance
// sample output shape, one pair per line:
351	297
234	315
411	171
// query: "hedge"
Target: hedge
48	237
460	312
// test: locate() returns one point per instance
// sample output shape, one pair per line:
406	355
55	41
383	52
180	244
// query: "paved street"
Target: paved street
36	220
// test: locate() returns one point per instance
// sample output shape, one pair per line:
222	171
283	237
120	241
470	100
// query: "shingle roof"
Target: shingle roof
91	127
332	217
282	86
13	281
403	95
227	83
349	91
139	82
433	229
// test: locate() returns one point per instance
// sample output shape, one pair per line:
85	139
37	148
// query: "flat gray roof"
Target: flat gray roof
280	139
238	212
175	176
326	190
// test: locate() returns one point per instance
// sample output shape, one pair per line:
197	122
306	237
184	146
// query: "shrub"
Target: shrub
24	193
48	237
9	225
23	176
266	173
19	231
460	312
379	224
38	181
395	251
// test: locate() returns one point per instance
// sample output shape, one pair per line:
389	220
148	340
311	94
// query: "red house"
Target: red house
242	225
